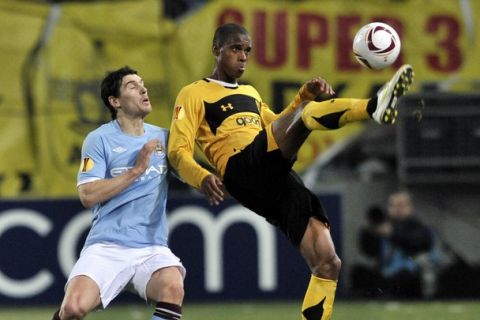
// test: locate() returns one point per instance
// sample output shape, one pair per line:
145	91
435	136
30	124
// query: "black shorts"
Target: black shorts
265	183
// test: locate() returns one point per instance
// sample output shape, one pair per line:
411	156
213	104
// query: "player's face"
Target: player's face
133	100
232	57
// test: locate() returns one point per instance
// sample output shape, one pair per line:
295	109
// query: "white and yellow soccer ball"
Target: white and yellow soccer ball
376	45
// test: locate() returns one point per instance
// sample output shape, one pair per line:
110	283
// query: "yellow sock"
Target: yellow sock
334	113
318	301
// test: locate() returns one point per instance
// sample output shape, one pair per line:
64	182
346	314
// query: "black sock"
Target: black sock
56	315
372	105
168	311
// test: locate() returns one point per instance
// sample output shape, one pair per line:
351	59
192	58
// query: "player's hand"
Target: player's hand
318	86
211	187
145	155
384	230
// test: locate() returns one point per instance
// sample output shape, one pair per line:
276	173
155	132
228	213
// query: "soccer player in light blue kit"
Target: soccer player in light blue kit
123	179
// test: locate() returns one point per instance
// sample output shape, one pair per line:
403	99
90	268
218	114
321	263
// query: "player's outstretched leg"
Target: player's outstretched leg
335	113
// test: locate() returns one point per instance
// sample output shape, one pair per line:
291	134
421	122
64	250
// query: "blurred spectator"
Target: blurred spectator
370	241
408	249
403	251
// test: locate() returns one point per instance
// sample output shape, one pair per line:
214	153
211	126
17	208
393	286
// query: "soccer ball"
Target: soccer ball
376	45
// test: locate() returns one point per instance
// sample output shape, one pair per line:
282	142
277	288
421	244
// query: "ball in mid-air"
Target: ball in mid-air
376	45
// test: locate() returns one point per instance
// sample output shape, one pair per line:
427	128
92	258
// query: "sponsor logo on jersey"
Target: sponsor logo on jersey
248	120
178	113
119	149
226	107
150	173
216	112
86	165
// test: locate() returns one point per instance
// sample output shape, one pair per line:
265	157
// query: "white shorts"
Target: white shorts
114	267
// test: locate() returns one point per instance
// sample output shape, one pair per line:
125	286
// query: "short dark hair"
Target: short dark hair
376	215
226	31
111	86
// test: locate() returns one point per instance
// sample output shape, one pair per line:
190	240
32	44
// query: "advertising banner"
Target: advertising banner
58	53
69	104
294	41
50	98
229	252
16	128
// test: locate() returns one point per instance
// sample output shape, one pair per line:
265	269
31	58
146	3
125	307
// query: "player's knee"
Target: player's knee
73	310
173	291
301	105
327	266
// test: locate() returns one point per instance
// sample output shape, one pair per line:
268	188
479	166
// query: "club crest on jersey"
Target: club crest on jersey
86	164
178	113
227	107
160	150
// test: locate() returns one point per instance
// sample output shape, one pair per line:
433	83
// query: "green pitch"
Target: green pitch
368	310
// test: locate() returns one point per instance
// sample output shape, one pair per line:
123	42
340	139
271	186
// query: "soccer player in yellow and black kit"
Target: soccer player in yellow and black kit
253	150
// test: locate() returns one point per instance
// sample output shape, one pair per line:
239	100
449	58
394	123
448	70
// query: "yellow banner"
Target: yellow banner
101	36
21	26
294	41
55	56
50	96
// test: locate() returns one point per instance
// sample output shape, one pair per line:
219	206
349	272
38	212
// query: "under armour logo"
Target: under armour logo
227	107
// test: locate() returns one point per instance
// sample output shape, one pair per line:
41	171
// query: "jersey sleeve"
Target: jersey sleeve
268	116
93	164
187	116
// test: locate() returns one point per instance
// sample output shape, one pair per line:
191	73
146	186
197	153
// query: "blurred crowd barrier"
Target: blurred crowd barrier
54	56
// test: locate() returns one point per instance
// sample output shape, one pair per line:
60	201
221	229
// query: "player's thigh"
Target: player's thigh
166	285
82	293
289	132
317	245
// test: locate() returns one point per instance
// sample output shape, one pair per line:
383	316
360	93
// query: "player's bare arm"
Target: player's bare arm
102	190
211	187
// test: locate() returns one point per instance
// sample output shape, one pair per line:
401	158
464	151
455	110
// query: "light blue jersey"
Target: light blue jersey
136	216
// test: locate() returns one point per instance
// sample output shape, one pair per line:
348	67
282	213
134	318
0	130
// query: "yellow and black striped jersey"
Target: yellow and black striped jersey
222	119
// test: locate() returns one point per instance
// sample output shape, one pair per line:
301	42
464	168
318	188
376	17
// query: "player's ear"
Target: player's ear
114	101
216	50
